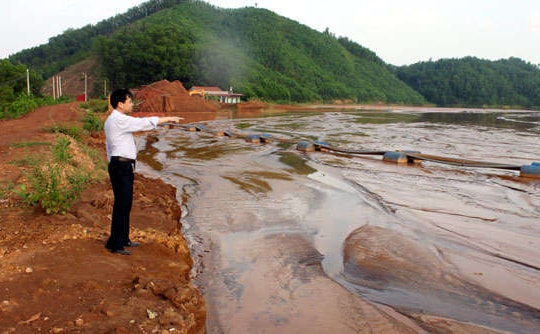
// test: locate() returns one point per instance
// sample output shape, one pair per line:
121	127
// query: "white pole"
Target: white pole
53	88
85	87
28	81
59	86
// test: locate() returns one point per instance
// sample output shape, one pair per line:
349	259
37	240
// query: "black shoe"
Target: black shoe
120	251
133	244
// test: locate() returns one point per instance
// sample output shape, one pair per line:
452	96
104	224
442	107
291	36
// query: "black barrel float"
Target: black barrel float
200	127
532	170
255	139
399	157
321	145
305	146
191	127
267	138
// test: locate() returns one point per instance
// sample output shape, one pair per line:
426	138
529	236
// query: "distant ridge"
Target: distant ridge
269	58
261	54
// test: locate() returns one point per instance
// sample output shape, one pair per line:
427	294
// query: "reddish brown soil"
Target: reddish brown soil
165	96
55	274
72	80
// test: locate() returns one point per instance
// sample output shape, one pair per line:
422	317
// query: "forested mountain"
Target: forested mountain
475	82
257	52
269	57
76	44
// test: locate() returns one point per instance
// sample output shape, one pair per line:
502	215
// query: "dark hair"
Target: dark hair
120	95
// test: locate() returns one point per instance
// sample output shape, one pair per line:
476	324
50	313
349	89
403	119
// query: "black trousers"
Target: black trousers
122	176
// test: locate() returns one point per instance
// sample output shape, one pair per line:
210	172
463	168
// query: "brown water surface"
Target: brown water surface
317	242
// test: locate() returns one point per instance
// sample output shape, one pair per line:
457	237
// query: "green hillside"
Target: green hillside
475	82
258	53
264	56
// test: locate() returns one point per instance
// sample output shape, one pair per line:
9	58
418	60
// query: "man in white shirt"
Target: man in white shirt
122	154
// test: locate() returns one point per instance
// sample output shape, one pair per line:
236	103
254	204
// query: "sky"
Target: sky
399	32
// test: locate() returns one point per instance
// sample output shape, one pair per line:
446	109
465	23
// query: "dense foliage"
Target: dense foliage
76	44
14	98
475	82
257	52
269	57
13	81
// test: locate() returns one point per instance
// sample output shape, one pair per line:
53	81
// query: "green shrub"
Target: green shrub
51	189
56	183
71	131
96	105
91	122
24	104
61	151
20	107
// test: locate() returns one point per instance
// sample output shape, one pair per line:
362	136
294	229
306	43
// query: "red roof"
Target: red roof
207	88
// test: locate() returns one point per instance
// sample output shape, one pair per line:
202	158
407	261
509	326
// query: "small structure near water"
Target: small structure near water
216	93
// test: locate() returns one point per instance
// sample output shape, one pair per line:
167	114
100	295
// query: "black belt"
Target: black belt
122	159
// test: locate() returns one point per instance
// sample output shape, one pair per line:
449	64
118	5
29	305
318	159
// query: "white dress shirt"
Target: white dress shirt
119	130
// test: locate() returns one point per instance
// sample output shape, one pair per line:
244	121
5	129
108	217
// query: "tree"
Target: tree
13	81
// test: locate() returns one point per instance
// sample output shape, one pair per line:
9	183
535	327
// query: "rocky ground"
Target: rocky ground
55	274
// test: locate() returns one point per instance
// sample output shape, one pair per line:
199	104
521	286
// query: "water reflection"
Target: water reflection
511	120
495	120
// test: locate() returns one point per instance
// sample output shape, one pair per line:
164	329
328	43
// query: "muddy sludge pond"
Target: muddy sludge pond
286	241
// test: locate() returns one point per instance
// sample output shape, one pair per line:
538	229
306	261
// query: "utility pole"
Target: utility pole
59	81
28	81
85	87
53	87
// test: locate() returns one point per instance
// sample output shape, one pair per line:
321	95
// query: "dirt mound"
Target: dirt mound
165	96
252	106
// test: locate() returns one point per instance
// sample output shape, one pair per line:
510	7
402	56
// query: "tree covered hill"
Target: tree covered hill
475	82
269	57
257	52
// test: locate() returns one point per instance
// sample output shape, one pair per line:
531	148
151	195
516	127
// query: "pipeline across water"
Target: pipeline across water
410	156
286	241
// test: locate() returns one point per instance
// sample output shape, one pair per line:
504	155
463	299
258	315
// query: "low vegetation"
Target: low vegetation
23	104
96	105
15	100
56	178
